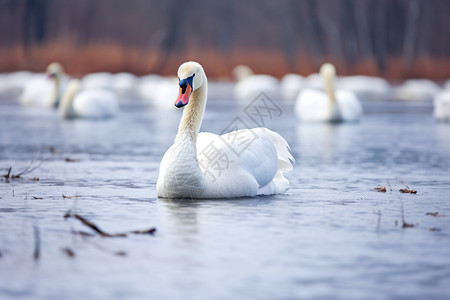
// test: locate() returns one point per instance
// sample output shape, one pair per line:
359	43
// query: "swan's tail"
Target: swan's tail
285	160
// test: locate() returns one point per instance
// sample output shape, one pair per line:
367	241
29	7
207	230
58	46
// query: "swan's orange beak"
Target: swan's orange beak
183	95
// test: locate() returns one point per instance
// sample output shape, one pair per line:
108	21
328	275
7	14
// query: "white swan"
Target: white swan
158	89
291	85
14	83
416	90
91	103
329	106
366	87
442	106
45	92
125	84
241	163
250	86
100	80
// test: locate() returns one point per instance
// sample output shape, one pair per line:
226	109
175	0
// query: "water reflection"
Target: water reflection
325	224
324	143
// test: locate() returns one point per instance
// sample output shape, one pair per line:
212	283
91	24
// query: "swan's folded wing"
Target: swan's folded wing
244	155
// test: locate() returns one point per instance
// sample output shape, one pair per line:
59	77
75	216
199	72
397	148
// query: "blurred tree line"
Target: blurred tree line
391	38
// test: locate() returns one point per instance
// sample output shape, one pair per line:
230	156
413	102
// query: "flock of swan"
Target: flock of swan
186	169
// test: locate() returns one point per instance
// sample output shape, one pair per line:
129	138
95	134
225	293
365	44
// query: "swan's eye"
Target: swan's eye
183	88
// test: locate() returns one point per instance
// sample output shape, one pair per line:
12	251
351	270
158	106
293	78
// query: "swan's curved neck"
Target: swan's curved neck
193	113
55	93
328	78
66	106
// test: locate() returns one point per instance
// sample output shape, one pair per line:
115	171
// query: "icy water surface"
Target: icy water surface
331	236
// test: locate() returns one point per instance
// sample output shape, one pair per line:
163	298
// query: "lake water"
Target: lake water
331	236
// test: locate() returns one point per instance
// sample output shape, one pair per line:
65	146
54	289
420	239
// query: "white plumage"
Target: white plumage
45	90
158	89
250	86
330	106
417	89
366	87
442	106
100	80
91	103
291	85
246	162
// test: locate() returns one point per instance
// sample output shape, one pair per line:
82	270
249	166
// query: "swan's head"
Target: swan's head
54	70
328	69
242	71
190	76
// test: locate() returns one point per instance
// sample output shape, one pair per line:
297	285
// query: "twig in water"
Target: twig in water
95	227
381	189
69	252
407	191
82	233
6	176
29	169
404	224
378	213
37	243
100	231
68	159
146	231
434	229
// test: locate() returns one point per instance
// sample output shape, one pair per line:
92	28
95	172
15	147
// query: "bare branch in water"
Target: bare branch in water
69	252
381	189
407	191
6	176
404	224
30	168
434	214
37	243
102	233
378	213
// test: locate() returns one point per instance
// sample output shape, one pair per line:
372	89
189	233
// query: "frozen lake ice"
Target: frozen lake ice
331	236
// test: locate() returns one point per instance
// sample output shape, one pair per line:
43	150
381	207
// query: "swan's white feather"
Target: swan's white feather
329	106
37	92
315	106
96	103
442	106
90	103
229	169
249	88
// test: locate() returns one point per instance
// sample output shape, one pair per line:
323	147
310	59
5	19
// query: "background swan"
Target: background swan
45	91
207	165
100	80
158	89
291	85
91	103
442	106
14	83
417	89
366	87
249	86
125	84
329	106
